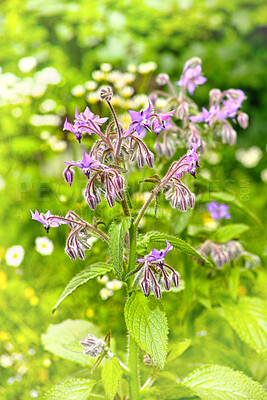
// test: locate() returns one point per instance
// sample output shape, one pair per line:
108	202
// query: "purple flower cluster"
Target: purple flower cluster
47	220
145	120
153	273
218	211
85	122
221	253
191	78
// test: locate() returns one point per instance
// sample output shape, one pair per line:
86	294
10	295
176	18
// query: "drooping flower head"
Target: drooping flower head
86	164
141	120
47	223
218	211
157	255
191	78
85	122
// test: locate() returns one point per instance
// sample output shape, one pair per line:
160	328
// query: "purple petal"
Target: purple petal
191	87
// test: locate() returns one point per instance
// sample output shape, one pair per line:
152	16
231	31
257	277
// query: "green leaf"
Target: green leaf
215	382
249	319
230	199
62	339
111	374
178	243
147	323
116	241
228	232
177	349
83	277
71	389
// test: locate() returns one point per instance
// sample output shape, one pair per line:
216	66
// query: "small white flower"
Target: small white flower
98	75
264	175
249	158
14	256
145	68
106	67
59	145
26	64
34	394
114	285
44	246
78	91
6	361
105	293
90	85
102	280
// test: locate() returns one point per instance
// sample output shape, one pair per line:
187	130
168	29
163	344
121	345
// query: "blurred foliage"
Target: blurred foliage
73	39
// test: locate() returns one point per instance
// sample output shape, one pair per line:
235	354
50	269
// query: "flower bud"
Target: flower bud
140	160
242	119
91	200
145	285
175	278
153	98
71	253
166	283
162	79
80	253
191	200
174	201
182	204
110	199
118	180
106	93
182	111
156	290
150	160
93	346
214	95
68	175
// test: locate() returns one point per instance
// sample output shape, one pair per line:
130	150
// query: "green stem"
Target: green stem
143	209
133	356
132	250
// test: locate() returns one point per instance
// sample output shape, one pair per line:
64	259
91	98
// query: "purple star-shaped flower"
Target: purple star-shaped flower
218	211
42	218
165	123
141	121
191	78
85	122
86	164
157	255
207	115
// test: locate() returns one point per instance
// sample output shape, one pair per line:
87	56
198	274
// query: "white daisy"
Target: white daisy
14	256
114	285
44	246
105	293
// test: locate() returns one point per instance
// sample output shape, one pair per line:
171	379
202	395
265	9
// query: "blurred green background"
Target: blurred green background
48	52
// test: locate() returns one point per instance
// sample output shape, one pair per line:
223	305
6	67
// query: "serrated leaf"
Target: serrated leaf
147	324
216	382
178	243
83	277
117	232
71	389
249	319
228	232
61	339
230	199
111	375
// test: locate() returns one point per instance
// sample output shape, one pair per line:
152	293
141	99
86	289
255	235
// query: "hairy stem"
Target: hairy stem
143	209
133	355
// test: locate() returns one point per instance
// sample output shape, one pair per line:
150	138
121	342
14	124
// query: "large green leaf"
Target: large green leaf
177	349
215	382
178	243
117	232
63	340
249	319
71	389
228	198
83	277
228	232
147	323
111	374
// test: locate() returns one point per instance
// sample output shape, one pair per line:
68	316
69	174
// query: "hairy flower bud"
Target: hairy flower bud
110	199
150	160
71	253
214	95
182	204
175	278
156	290
191	200
93	346
166	283
68	175
106	93
242	119
162	79
182	111
91	200
80	253
118	180
145	285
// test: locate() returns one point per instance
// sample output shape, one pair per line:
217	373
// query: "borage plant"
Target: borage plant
146	274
